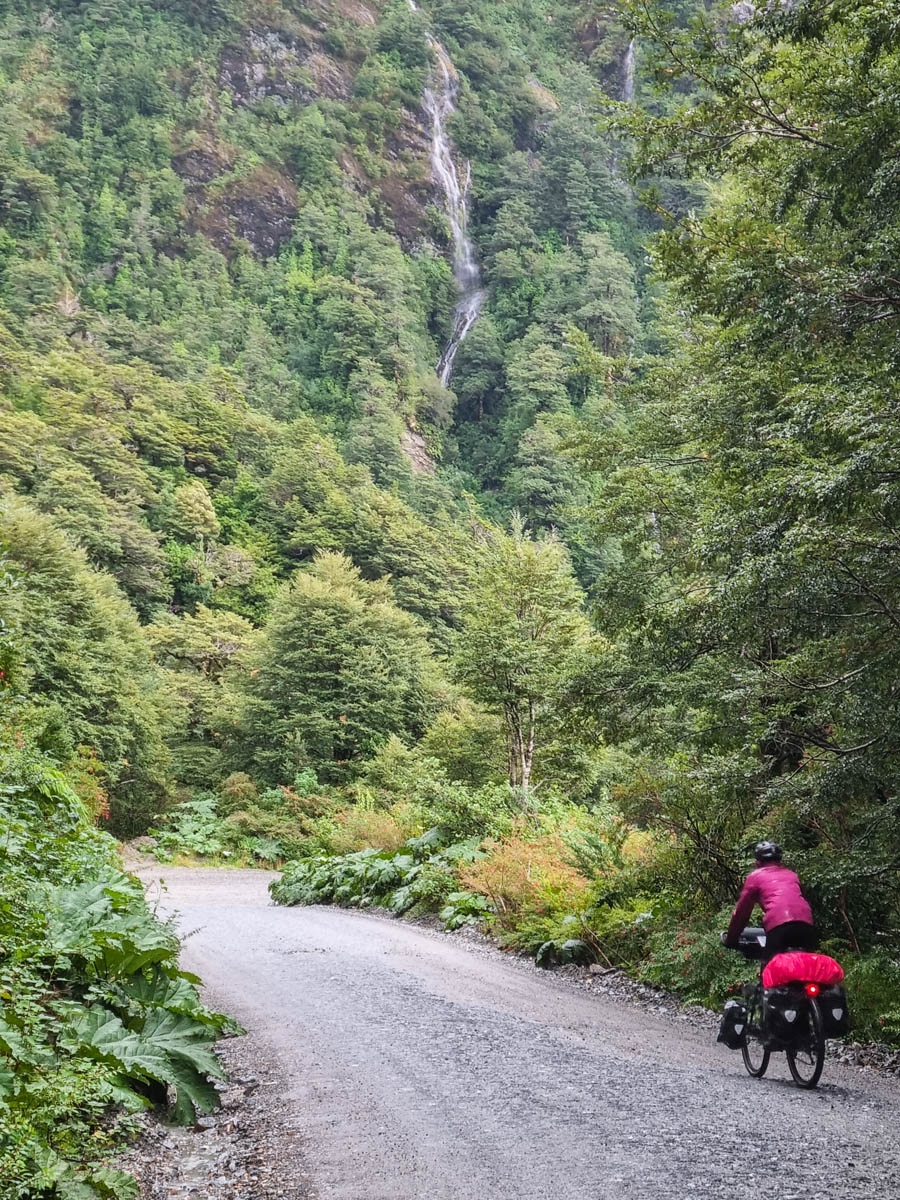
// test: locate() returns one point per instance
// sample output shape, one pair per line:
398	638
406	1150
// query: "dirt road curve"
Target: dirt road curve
420	1068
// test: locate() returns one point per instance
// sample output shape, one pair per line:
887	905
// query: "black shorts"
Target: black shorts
792	935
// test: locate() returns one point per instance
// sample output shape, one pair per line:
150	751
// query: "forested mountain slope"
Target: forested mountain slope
226	284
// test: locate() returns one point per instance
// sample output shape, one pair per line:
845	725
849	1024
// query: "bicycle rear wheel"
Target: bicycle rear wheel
807	1058
753	1051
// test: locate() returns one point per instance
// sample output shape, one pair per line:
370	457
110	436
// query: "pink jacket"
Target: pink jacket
776	889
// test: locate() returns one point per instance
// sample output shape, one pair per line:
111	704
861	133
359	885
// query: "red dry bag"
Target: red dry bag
800	965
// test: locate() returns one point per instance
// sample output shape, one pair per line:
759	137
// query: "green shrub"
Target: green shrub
362	878
689	958
614	934
619	933
873	997
559	952
424	888
267	850
236	792
96	1020
360	829
421	878
489	811
305	784
192	827
275	824
464	908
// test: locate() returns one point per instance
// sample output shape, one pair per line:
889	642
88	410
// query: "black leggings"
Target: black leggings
792	935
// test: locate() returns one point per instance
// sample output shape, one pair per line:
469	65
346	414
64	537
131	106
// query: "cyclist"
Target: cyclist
787	917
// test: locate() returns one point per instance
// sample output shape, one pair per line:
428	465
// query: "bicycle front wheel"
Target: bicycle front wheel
807	1058
753	1051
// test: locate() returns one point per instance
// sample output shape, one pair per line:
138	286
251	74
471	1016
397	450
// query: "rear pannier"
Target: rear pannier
784	1013
835	1017
733	1024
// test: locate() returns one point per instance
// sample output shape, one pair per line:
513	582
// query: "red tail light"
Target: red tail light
812	989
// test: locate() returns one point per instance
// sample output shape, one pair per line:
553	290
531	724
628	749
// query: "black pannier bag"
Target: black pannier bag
784	1013
733	1024
835	1017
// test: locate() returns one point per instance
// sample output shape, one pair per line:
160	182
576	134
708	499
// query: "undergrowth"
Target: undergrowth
96	1020
566	887
419	879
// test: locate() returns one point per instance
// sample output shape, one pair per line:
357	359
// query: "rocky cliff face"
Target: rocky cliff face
282	67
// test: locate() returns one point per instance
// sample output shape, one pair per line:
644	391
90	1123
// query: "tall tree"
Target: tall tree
524	636
87	666
757	482
338	669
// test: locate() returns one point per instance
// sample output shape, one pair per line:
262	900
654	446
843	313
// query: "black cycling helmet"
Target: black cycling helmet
768	852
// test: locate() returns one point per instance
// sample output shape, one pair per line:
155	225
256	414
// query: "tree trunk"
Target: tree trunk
513	746
528	756
845	917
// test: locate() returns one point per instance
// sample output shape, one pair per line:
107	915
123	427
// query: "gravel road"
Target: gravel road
419	1067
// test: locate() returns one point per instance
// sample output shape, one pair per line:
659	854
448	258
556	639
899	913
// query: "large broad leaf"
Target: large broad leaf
177	993
73	916
70	1187
92	922
115	1185
192	1092
158	990
183	1038
101	923
7	1081
100	1034
101	1183
76	910
121	1093
51	1169
122	955
171	1048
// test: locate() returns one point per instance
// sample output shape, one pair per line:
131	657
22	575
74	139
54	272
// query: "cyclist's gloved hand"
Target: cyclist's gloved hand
731	942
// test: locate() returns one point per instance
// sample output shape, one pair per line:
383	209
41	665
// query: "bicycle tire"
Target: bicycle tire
816	1050
752	1042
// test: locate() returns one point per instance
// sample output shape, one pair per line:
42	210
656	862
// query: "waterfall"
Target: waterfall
628	74
439	102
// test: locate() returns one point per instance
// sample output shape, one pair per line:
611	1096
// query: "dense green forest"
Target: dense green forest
549	647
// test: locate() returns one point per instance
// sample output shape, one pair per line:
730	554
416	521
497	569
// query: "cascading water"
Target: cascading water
439	103
628	74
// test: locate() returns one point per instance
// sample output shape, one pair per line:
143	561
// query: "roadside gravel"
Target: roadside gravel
397	1063
250	1149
